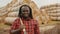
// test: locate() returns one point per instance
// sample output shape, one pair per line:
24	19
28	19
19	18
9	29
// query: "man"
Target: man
30	25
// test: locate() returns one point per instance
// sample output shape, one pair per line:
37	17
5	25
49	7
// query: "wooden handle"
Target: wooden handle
22	24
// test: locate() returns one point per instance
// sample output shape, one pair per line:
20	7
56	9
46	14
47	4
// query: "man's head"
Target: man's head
25	11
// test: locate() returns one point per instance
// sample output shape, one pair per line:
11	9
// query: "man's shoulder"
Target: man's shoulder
17	19
34	21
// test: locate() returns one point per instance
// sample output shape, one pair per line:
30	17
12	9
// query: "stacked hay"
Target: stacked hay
53	11
11	17
12	11
45	17
36	12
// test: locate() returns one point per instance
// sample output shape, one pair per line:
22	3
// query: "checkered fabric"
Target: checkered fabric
31	26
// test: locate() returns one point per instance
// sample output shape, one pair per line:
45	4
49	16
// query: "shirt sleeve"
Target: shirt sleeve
36	29
15	25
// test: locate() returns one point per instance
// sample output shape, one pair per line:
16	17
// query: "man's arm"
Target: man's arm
16	26
12	31
19	29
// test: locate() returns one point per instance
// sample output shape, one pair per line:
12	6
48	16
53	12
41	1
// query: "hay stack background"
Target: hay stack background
11	11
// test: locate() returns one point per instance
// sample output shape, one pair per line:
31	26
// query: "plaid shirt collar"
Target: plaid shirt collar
26	19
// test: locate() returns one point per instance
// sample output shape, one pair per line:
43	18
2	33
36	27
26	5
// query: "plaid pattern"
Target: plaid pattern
31	26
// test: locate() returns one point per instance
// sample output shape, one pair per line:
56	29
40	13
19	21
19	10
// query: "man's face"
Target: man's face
25	11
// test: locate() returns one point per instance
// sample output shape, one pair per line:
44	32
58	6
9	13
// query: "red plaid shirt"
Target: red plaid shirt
31	26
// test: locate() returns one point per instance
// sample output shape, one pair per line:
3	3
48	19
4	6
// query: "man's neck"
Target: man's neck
26	18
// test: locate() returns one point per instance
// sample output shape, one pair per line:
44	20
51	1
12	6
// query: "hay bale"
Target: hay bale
0	20
58	18
13	14
10	19
53	18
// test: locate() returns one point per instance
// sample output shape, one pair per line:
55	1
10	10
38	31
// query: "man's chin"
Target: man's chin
25	16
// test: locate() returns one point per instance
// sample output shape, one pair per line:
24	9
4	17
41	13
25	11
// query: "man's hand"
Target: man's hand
21	27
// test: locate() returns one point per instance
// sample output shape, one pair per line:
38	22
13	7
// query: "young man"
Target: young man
30	25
